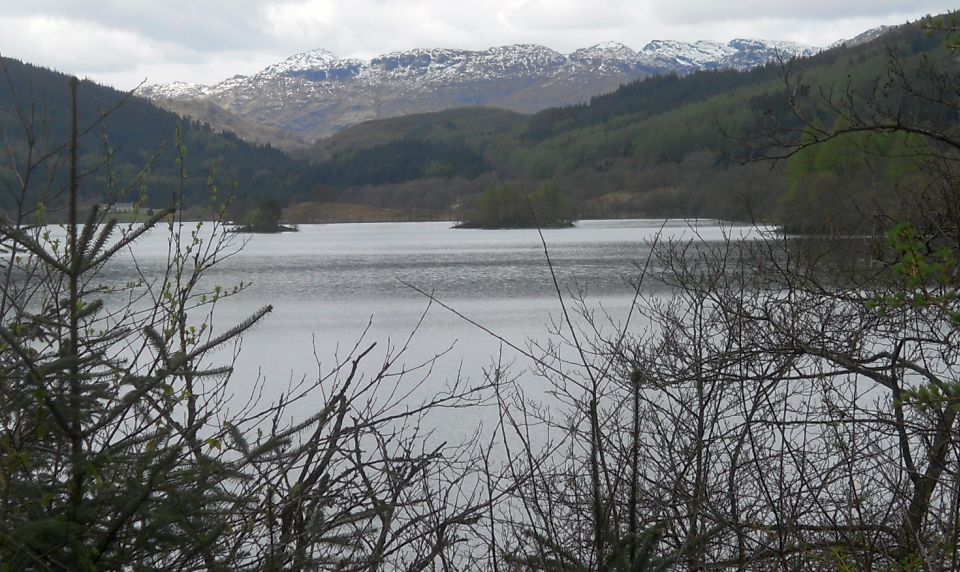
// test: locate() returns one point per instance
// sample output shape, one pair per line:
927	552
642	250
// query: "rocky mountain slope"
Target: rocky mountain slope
863	37
315	94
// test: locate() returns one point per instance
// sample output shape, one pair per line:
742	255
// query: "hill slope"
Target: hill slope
138	136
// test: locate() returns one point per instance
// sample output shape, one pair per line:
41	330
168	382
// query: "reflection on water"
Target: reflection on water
327	282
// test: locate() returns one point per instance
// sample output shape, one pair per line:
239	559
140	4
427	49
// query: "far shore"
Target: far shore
333	213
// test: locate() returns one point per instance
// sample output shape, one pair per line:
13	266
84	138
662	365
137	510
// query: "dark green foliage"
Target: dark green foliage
264	218
267	214
399	161
645	98
503	206
466	123
138	141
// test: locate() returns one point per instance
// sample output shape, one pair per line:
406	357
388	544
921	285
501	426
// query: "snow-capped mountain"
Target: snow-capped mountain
314	94
863	38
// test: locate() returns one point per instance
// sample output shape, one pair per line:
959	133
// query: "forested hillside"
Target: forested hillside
138	138
667	145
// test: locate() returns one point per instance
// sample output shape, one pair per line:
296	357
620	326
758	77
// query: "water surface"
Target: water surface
328	284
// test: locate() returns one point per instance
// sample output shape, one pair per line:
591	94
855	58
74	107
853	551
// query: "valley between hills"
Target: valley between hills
671	130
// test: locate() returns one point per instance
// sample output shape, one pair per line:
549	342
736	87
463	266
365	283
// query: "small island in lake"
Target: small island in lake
264	219
505	207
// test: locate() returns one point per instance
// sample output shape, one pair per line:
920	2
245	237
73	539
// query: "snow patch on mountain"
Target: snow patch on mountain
685	55
863	38
314	59
174	90
315	93
437	66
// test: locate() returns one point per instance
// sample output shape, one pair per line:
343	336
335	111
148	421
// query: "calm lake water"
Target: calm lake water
329	283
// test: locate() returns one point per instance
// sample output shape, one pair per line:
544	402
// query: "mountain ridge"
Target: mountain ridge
314	94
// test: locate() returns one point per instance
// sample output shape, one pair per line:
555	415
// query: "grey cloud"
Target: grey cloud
570	15
680	11
199	24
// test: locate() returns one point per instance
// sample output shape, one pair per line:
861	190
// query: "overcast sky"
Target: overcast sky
124	42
